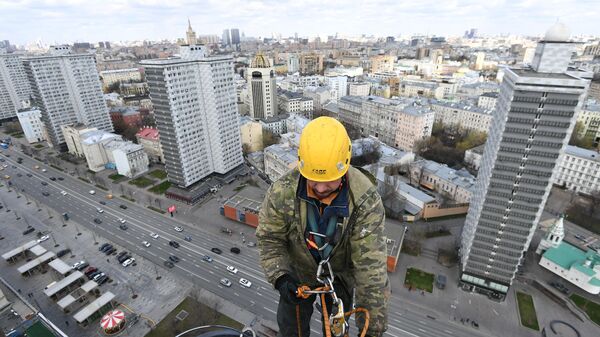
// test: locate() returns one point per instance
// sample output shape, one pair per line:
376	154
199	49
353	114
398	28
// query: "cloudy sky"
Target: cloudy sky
66	21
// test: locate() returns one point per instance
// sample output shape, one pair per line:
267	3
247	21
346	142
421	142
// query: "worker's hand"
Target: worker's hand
287	286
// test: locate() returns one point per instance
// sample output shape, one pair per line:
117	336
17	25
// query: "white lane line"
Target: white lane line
404	331
269	310
448	332
421	330
211	272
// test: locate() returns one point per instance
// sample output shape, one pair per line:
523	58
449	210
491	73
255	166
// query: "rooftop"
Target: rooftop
460	177
568	256
97	136
462	105
582	153
284	152
490	94
148	133
116	71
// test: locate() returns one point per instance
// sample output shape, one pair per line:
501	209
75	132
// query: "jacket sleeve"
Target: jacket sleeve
271	236
369	260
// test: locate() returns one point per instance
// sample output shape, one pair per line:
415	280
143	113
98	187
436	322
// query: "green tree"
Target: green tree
269	138
115	87
579	139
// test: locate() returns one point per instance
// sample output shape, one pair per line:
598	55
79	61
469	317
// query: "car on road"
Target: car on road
169	264
235	250
579	237
154	236
121	220
52	178
99	210
63	252
146	244
178	229
225	282
251	244
216	250
77	264
44	183
29	175
174	244
232	269
44	170
61	178
128	262
123	206
98	221
43	238
28	230
123	227
475	324
188	238
207	258
245	283
63	192
45	194
174	259
92	192
102	202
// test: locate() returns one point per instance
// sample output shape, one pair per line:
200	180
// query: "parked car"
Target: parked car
207	258
77	264
440	281
174	259
174	244
123	206
102	279
43	238
225	282
178	229
29	175
123	258
226	230
232	269
44	183
98	276
28	230
90	270
128	262
251	244
235	250
169	264
45	193
245	283
82	266
123	226
111	250
216	250
63	252
104	246
146	244
94	274
154	236
98	221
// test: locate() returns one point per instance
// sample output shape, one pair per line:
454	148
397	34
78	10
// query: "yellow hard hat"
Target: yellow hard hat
325	150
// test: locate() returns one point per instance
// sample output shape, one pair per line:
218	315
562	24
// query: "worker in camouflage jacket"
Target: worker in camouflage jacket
325	208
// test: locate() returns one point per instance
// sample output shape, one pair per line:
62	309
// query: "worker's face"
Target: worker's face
324	189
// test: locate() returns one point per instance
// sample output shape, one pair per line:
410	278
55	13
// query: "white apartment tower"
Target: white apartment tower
535	115
66	88
196	114
262	88
14	87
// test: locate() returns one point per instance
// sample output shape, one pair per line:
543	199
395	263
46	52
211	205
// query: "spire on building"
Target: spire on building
190	34
554	236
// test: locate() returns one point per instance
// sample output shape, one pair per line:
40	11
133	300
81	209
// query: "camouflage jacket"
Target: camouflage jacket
358	259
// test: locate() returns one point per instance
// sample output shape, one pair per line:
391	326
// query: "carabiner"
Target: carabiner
337	320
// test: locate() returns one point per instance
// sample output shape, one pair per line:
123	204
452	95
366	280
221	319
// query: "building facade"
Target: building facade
66	88
279	159
15	90
462	114
488	100
73	137
262	90
457	185
589	117
251	133
311	63
359	89
31	123
196	114
290	101
148	137
531	127
338	86
110	77
579	170
382	63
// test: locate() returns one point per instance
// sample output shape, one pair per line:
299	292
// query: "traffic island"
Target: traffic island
527	312
418	279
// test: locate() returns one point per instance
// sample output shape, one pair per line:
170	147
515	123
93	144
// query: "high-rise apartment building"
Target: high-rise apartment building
534	118
235	36
262	90
196	114
338	85
311	63
226	39
293	63
14	87
66	88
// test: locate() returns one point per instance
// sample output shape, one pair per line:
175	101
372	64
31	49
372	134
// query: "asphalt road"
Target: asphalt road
260	298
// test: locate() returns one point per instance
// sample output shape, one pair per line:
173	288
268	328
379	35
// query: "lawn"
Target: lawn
160	188
527	311
127	198
141	182
418	279
592	309
198	315
158	174
115	176
83	179
38	146
157	209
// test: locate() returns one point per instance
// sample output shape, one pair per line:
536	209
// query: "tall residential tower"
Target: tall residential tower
534	118
262	88
196	114
66	88
14	86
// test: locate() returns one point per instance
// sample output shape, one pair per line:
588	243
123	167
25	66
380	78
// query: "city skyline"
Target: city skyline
75	20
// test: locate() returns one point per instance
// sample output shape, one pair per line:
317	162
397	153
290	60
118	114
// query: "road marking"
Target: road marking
495	312
421	330
404	331
236	294
212	272
448	332
267	309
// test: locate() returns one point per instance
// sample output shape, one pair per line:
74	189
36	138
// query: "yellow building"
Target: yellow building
251	134
382	63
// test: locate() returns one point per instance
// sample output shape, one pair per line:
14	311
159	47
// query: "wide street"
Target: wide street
260	298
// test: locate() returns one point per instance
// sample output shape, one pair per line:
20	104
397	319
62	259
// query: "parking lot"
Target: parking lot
140	288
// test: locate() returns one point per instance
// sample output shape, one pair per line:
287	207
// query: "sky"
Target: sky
67	21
